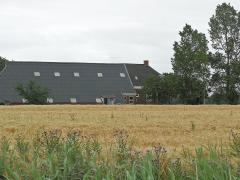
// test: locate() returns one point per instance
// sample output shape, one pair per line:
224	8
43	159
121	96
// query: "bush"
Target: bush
33	93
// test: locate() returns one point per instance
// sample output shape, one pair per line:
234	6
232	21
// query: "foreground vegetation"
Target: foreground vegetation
50	155
119	142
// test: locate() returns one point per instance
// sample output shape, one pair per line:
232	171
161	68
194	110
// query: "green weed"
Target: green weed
52	155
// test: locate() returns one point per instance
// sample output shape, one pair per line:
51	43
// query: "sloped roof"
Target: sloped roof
139	73
85	88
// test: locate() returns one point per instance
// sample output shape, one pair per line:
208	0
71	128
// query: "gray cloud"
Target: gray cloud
99	31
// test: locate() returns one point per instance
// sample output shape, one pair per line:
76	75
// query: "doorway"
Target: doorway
108	100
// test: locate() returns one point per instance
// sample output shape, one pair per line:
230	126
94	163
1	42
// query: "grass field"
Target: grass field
173	127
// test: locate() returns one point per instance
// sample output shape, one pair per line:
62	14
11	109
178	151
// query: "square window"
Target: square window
99	100
73	100
50	100
57	74
100	74
37	74
76	74
122	75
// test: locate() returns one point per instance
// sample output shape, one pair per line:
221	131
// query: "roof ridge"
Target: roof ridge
58	62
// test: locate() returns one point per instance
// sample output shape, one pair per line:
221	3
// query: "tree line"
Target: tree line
201	75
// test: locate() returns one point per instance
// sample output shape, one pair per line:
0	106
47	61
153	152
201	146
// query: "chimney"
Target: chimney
146	62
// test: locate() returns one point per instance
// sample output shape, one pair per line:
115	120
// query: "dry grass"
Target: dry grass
171	126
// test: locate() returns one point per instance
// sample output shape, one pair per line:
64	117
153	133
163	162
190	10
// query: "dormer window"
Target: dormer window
36	74
122	75
57	74
100	74
136	78
76	74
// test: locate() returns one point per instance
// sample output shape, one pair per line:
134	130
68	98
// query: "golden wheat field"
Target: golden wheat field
171	126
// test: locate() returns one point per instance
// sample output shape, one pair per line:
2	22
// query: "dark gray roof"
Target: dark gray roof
141	71
85	88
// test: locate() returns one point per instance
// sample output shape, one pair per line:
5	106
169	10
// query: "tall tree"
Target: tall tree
191	64
225	37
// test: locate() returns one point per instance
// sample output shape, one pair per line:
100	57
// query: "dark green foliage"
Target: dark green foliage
163	88
33	93
152	87
191	65
225	36
169	86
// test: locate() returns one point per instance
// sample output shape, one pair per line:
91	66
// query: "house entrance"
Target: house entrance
105	100
108	100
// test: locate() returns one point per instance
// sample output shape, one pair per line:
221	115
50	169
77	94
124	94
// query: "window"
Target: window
57	74
122	75
76	74
24	101
99	100
100	74
73	100
136	77
37	74
131	100
50	100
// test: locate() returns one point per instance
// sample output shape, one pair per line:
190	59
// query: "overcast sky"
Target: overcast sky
112	31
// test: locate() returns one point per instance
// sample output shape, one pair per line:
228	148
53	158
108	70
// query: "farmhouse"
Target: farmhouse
83	83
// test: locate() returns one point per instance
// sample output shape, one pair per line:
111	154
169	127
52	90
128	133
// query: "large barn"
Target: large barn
82	83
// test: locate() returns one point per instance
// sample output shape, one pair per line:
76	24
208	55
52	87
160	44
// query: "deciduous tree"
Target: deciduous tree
191	64
33	92
225	37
